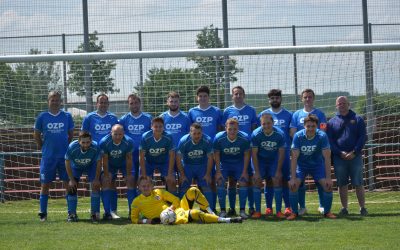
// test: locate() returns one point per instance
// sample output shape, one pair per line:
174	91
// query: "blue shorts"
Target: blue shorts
317	173
162	168
286	166
135	162
196	172
267	169
90	171
352	169
49	167
232	170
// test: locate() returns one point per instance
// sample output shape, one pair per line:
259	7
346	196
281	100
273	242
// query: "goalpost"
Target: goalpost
368	73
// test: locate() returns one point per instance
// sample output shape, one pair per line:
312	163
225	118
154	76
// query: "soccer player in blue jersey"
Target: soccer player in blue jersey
157	152
311	155
247	117
117	156
99	122
232	157
195	154
83	156
176	122
268	153
53	132
135	124
210	118
282	119
297	124
207	115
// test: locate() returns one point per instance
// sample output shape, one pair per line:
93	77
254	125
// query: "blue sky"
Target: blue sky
54	17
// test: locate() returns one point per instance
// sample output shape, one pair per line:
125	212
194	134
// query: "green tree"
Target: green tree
161	81
212	68
102	82
24	88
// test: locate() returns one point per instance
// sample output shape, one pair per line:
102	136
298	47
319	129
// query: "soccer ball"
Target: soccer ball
167	216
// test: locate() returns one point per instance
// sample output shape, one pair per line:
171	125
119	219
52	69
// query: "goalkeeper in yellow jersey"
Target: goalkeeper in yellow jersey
151	202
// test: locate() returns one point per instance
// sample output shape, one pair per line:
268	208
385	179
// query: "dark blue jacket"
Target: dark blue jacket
346	133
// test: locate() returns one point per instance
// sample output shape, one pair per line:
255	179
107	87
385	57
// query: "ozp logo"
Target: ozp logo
308	150
157	151
302	120
195	153
84	161
138	127
102	127
241	118
269	145
279	123
116	153
232	150
173	126
55	126
204	119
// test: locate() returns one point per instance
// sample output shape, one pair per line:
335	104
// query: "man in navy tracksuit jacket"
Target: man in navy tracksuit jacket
347	136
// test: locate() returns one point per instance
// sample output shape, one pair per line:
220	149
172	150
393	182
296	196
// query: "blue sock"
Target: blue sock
294	200
221	191
95	202
131	195
269	196
114	200
257	198
232	197
43	201
302	195
242	197
328	196
106	195
208	193
285	195
320	194
250	197
278	198
72	203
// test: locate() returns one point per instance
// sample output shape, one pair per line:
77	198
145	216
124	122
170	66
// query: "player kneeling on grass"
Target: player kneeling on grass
152	202
311	154
83	156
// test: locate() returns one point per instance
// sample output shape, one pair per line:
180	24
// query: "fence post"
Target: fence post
2	175
140	59
295	69
64	69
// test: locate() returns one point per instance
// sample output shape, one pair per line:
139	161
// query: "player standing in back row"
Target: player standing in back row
53	132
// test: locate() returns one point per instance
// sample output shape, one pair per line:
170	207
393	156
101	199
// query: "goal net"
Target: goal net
370	80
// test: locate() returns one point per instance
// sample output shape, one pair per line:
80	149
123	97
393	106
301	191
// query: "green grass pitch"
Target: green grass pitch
20	229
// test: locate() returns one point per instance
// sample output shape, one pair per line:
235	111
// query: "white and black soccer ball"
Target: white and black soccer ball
167	216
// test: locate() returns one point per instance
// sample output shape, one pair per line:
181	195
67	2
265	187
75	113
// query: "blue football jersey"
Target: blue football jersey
268	145
194	154
298	118
310	149
209	118
116	153
177	125
136	126
282	120
246	116
98	126
54	129
83	160
231	152
156	152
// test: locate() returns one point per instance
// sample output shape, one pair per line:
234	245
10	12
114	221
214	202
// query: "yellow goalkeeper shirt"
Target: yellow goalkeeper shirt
152	206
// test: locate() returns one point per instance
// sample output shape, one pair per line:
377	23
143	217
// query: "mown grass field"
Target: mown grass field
20	229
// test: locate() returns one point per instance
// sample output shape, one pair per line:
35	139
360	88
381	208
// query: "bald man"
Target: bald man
347	136
117	148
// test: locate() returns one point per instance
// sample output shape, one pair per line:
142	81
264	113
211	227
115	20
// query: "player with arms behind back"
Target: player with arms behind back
152	202
52	133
